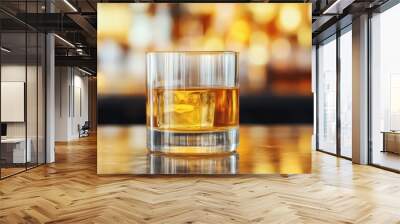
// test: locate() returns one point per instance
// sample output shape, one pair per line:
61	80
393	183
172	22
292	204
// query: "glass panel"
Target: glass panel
22	89
41	99
385	87
13	89
346	94
327	97
31	98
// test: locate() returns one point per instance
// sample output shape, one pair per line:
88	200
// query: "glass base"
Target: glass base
210	142
161	163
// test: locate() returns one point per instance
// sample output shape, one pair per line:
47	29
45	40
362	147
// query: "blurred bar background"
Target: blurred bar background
273	41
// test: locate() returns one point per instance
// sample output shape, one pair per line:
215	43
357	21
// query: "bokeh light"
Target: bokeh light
289	18
240	30
281	49
263	13
273	41
304	36
111	29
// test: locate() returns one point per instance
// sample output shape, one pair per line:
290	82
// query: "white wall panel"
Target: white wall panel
12	101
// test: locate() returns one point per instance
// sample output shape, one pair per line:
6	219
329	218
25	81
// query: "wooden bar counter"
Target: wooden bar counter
284	149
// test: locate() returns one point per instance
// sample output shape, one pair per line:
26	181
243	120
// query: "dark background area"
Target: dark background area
263	109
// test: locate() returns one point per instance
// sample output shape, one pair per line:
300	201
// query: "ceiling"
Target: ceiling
76	21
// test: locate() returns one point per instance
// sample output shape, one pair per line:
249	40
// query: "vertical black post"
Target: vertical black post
45	88
72	93
45	96
0	96
316	97
338	76
37	88
369	89
26	86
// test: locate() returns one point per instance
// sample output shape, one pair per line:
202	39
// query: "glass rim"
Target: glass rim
192	52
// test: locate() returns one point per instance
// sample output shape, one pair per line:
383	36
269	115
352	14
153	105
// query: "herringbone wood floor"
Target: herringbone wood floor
69	191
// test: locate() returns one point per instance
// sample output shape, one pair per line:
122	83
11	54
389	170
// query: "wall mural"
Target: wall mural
189	71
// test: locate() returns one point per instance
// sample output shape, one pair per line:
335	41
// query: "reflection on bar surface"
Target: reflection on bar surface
271	149
175	164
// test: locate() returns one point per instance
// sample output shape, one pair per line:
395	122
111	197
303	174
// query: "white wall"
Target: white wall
385	77
12	73
71	94
62	81
81	103
33	126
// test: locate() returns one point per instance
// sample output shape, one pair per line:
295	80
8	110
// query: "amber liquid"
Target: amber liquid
193	109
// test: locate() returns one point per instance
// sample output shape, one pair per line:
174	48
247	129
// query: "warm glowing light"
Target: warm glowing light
304	36
258	54
264	34
140	35
263	12
110	57
303	57
136	63
101	85
202	8
290	163
213	43
162	36
309	13
289	18
140	7
240	30
117	27
224	16
266	167
281	49
259	37
258	49
191	28
257	80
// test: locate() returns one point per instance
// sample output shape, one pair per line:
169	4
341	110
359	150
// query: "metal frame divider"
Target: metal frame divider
317	91
339	34
45	89
316	98
369	77
338	76
44	70
26	87
37	91
387	5
338	153
0	92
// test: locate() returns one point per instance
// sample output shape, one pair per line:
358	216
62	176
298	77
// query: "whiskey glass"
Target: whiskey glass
192	102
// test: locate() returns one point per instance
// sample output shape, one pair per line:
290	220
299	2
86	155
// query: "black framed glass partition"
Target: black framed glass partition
384	94
376	34
326	95
14	153
345	92
22	77
334	94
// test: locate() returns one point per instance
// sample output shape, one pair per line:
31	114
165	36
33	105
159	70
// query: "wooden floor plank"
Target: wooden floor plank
70	191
